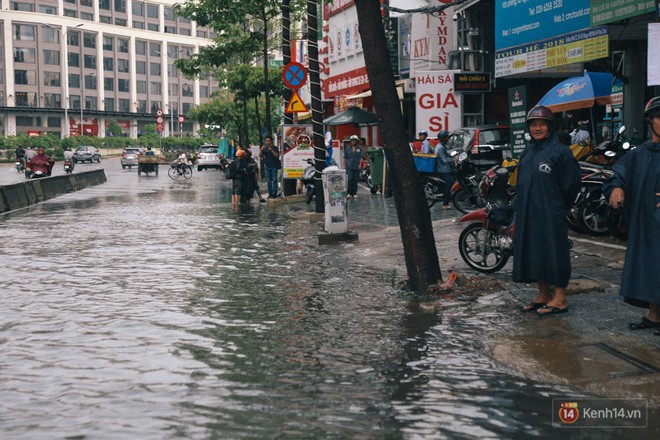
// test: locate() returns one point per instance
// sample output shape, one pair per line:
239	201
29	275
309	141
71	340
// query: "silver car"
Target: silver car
86	153
129	157
208	157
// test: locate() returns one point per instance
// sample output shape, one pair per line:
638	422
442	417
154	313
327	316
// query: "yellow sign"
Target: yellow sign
295	105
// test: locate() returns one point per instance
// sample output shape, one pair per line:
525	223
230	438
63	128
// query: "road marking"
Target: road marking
612	246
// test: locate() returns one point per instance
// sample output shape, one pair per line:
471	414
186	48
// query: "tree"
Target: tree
114	129
412	211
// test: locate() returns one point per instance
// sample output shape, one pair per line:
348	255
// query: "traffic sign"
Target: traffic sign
160	127
159	120
294	75
296	105
159	113
181	119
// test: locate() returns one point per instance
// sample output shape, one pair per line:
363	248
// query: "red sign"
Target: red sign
294	75
159	112
160	127
348	83
159	120
181	119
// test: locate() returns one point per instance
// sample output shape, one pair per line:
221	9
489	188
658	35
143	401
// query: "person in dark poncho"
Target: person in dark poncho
548	183
636	185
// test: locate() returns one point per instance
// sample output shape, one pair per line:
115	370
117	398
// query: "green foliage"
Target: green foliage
114	129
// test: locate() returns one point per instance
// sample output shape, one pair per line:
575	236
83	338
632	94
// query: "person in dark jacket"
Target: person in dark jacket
443	167
239	164
548	182
636	184
353	154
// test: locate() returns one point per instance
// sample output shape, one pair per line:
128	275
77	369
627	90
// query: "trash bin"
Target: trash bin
335	185
377	165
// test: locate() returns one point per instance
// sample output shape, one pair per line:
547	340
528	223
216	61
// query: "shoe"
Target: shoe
532	307
355	196
552	310
646	323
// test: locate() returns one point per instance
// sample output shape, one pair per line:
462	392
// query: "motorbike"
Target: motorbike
433	187
68	166
464	193
365	171
37	170
20	165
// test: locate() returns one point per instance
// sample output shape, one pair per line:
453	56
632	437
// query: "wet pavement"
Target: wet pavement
149	308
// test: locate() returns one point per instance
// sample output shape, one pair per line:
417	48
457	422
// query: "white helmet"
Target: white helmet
354	138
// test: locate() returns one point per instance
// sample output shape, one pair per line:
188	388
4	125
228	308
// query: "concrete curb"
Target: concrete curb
21	195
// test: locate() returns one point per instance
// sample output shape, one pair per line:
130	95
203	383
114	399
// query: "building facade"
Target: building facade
117	57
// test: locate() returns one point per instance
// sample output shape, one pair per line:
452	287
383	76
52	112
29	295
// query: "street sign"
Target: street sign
159	120
296	105
294	75
159	113
160	127
181	119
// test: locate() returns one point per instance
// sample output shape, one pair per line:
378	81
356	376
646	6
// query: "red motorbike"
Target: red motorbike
39	167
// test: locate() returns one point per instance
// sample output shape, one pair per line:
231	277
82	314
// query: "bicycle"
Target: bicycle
178	170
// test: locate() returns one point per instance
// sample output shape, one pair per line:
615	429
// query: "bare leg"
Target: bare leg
559	299
654	312
543	297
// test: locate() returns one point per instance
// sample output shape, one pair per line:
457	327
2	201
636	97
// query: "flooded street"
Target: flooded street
146	308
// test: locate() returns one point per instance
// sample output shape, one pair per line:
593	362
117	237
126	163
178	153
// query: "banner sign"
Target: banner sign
478	82
517	119
519	22
653	55
347	83
432	38
405	44
438	105
572	48
393	44
607	11
297	147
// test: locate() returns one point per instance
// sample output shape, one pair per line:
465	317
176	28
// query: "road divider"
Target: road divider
20	195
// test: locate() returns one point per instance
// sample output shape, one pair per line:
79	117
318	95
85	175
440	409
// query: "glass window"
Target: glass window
172	71
90	102
90	82
170	30
123	45
107	43
25	55
187	90
26	99
89	40
141	86
120	5
155	106
141	67
25	77
110	104
19	6
154	69
174	106
203	91
109	84
105	19
184	20
51	79
138	24
90	61
152	11
73	38
168	13
184	32
186	107
73	2
108	64
52	100
74	59
121	22
156	88
142	106
140	47
124	105
89	3
25	121
24	32
52	57
86	16
70	13
74	81
172	51
174	89
153	27
122	65
50	35
48	9
154	49
54	121
122	85
138	9
202	34
104	4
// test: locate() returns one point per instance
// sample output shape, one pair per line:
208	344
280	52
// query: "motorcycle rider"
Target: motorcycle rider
20	155
443	167
29	154
636	184
68	156
581	135
426	145
41	162
353	154
548	182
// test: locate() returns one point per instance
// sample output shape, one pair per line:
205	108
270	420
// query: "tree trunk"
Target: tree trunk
286	50
266	83
246	131
412	211
256	111
317	107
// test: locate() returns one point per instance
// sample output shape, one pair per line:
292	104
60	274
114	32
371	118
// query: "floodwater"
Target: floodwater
147	308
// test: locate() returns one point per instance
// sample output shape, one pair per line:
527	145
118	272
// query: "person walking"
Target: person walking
353	155
271	156
443	167
238	175
636	185
548	182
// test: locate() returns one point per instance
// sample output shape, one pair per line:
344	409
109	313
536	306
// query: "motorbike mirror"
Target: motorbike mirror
610	153
453	153
462	156
626	145
622	129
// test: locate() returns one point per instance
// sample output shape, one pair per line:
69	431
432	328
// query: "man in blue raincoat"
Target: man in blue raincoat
548	183
636	184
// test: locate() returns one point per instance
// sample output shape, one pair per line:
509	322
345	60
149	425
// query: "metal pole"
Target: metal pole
82	99
66	82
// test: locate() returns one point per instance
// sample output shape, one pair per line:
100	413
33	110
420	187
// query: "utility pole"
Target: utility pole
317	106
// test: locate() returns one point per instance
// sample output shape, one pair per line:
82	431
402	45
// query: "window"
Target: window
18	6
170	30
174	89
138	24
141	67
172	71
26	99
50	35
138	9
109	84
25	55
90	102
184	32
140	47
154	49
52	57
184	20
52	10
121	22
122	66
53	121
86	16
104	4
174	106
89	40
203	91
107	43
24	32
88	3
74	81
90	61
142	106
152	11
122	85
26	121
186	107
51	79
153	27
110	104
186	90
124	105
73	38
168	13
108	64
123	45
155	88
25	77
90	82
202	34
52	100
154	69
73	2
105	19
74	59
120	5
141	86
155	106
70	13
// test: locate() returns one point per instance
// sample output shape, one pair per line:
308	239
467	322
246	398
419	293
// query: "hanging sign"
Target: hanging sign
296	105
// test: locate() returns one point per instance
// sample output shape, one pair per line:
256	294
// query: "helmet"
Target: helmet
354	138
539	112
443	134
652	108
423	132
240	153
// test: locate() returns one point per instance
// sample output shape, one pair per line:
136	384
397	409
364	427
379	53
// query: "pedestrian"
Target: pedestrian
426	145
443	167
353	154
636	185
328	148
253	172
271	156
238	175
548	182
581	135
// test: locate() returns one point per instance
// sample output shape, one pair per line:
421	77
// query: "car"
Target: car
485	144
86	153
208	157
129	157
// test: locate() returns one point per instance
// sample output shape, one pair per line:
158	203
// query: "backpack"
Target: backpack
230	170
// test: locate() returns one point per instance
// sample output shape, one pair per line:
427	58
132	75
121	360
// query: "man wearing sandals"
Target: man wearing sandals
636	185
548	182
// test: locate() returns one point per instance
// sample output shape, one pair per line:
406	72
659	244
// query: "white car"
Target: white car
208	157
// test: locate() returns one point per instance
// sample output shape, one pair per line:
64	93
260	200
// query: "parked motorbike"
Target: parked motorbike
68	166
464	193
433	187
365	171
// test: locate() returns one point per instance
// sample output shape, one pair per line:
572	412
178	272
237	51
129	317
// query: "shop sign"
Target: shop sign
438	105
517	119
572	48
432	38
405	44
653	55
478	82
348	83
297	147
607	11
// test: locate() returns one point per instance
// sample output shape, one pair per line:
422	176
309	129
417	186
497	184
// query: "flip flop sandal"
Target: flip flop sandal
646	323
553	310
532	307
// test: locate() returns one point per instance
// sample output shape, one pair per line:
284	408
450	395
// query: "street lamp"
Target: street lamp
65	57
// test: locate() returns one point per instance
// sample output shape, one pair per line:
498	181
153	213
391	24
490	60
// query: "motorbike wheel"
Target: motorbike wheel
592	213
374	189
432	193
616	223
370	182
310	195
464	202
471	246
